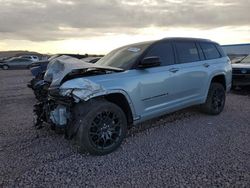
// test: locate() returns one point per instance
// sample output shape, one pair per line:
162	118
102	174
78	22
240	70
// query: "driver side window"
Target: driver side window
164	51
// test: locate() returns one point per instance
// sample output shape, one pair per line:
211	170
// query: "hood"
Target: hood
59	67
241	65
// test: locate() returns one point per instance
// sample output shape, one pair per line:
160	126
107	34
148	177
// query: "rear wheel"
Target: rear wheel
5	67
215	100
102	128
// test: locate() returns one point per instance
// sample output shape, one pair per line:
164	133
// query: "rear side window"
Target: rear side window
164	51
210	51
22	60
219	48
187	52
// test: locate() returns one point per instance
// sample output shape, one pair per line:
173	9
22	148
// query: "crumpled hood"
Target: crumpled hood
241	65
59	67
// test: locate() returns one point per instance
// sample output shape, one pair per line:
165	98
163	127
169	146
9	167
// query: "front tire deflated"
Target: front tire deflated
102	126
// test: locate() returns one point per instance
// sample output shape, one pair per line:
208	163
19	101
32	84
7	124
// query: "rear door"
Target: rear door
14	63
213	57
24	63
211	53
191	73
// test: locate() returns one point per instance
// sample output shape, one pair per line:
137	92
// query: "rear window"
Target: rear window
187	52
210	51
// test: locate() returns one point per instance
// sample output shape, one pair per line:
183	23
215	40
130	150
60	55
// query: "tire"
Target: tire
102	127
215	101
5	67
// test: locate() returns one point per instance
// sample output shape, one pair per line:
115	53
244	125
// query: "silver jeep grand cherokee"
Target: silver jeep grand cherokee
97	103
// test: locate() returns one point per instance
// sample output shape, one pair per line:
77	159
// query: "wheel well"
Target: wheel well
219	79
121	101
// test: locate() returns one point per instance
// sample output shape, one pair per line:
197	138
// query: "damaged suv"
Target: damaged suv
97	103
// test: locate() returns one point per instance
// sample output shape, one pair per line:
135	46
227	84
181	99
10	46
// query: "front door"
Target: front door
157	86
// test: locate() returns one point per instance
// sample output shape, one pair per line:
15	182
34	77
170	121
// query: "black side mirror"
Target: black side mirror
147	62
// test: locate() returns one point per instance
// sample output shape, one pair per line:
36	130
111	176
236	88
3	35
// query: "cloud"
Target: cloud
45	20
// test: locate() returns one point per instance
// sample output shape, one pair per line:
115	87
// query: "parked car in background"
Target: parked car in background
237	59
40	66
97	103
241	73
30	57
4	58
16	62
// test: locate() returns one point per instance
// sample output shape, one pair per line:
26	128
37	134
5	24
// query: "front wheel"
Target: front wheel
215	100
102	127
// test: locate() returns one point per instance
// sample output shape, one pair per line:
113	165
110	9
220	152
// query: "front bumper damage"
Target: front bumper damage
58	109
55	111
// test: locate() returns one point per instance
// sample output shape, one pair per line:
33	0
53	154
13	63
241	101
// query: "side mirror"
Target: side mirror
147	62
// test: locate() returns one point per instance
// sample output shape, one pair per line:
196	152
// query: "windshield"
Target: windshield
246	59
124	57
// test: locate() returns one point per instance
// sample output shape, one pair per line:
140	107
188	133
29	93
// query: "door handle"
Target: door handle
173	70
206	65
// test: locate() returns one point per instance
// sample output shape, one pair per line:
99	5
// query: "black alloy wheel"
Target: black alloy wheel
215	101
105	130
218	99
101	126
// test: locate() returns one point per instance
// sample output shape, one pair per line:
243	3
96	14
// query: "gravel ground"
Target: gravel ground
186	148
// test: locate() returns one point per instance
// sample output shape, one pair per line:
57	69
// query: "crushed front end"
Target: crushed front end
67	85
55	110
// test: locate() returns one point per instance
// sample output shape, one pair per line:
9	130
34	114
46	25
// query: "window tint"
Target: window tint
219	48
164	51
12	61
210	51
187	52
22	60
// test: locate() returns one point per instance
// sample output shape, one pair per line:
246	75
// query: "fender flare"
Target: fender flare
211	78
114	91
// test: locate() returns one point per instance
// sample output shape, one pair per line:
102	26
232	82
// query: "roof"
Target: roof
187	39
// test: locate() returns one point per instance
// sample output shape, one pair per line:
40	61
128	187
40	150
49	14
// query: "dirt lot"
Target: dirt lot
186	148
